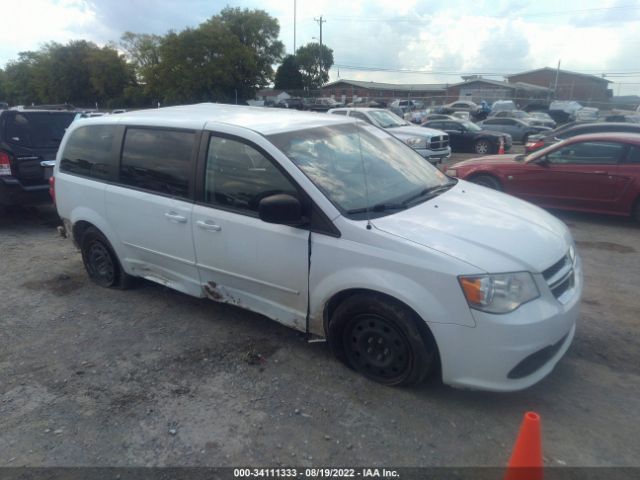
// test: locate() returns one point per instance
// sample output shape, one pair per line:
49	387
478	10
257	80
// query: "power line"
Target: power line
413	19
627	74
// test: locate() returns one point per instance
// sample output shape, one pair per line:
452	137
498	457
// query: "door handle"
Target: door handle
208	225
174	217
600	172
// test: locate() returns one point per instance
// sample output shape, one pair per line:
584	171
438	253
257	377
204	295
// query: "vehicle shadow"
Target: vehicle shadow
29	216
570	218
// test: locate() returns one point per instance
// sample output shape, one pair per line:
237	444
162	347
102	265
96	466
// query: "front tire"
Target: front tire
101	262
380	339
483	147
487	181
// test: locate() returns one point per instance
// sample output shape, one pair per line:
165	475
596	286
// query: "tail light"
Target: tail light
52	188
5	164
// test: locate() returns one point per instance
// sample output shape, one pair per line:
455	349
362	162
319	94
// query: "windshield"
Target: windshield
336	157
471	126
386	119
37	129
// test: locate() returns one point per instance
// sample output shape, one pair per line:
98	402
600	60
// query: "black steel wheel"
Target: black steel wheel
380	338
375	346
101	262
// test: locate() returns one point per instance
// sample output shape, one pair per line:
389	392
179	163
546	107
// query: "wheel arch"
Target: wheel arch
484	173
423	328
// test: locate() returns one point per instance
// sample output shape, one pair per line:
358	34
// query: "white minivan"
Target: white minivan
330	226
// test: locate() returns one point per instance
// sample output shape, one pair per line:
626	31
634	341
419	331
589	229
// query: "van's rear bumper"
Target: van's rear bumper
13	192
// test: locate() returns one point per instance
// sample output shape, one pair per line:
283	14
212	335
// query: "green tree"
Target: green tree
143	53
3	93
79	72
227	57
314	62
288	76
19	79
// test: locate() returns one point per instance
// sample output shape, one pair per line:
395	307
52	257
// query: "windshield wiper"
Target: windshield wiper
379	207
428	193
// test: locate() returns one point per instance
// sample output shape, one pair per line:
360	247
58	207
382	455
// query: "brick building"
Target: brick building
586	89
478	89
346	90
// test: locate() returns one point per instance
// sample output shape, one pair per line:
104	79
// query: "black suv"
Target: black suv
465	136
29	141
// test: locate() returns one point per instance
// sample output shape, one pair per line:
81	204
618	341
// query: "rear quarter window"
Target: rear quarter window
88	152
158	160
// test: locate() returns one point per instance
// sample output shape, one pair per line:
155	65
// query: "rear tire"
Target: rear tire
380	339
483	147
101	262
487	181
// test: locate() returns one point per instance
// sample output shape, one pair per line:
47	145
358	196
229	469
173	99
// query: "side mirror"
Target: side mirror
282	209
543	162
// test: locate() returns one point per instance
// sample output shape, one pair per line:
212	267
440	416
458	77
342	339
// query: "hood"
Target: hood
489	159
490	230
410	131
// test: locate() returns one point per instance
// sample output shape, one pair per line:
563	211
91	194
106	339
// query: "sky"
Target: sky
395	41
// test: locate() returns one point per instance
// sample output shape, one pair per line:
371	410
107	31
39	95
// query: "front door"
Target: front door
241	259
580	175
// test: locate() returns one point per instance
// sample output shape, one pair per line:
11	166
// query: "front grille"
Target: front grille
439	142
561	278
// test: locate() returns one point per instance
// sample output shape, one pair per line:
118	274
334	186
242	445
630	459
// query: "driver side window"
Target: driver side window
587	153
238	176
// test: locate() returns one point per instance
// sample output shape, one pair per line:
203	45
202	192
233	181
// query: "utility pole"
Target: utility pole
294	27
555	86
320	22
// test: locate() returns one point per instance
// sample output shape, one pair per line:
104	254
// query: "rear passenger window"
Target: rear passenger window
88	152
157	160
239	176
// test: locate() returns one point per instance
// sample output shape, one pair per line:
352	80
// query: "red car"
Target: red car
597	173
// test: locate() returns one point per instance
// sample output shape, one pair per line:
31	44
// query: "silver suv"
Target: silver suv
431	144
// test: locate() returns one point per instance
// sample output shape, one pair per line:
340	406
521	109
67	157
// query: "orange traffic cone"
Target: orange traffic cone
501	147
526	459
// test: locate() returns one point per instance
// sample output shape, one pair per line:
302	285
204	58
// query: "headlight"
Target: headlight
416	142
501	293
572	254
452	172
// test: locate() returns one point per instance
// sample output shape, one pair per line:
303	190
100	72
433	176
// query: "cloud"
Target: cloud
444	38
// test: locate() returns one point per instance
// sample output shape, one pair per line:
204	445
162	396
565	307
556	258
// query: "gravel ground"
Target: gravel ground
148	376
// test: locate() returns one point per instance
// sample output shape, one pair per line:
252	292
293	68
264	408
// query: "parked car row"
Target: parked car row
544	139
430	143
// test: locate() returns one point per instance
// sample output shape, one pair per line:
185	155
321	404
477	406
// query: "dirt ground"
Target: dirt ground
148	376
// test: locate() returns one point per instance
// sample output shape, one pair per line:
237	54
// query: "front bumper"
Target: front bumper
434	156
13	192
512	351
